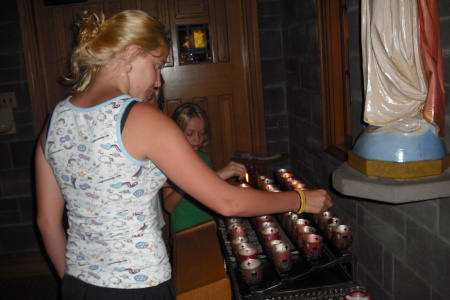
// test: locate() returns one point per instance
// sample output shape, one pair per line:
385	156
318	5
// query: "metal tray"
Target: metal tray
329	277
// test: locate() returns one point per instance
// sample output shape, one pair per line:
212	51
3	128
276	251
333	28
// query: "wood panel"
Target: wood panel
197	256
227	120
191	8
217	290
222	50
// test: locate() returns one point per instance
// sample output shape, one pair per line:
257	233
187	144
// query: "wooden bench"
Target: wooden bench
198	266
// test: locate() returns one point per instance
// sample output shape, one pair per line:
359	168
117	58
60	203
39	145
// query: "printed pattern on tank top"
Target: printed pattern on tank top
113	238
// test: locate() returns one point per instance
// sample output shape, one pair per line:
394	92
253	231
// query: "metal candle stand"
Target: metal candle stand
328	277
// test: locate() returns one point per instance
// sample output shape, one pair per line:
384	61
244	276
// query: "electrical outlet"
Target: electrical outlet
8	100
7	125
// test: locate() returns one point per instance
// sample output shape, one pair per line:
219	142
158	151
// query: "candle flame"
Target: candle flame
246	177
244	185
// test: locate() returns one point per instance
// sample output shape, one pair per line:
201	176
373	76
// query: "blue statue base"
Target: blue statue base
401	142
404	150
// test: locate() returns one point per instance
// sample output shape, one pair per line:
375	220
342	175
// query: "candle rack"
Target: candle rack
329	277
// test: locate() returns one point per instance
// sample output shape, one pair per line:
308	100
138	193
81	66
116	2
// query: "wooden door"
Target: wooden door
220	87
228	87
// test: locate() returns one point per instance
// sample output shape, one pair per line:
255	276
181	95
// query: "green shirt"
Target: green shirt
189	211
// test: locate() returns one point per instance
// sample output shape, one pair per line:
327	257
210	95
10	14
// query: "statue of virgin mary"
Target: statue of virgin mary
403	81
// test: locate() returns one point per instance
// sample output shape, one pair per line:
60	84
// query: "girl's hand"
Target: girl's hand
232	169
317	201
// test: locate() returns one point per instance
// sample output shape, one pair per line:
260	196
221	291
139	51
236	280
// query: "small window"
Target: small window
194	44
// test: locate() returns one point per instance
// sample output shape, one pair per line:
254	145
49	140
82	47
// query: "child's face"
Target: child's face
195	133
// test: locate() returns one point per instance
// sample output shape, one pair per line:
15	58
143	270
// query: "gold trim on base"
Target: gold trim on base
396	170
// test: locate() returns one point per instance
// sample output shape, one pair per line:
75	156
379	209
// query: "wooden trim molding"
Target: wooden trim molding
333	38
31	56
254	76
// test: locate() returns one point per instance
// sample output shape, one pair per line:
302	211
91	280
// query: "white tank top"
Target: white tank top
113	238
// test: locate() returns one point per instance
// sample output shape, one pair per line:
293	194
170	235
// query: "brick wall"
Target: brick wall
403	251
274	76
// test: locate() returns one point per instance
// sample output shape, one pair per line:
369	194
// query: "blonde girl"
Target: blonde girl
184	210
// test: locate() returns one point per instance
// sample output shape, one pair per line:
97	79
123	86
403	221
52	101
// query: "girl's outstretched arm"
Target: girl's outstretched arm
164	143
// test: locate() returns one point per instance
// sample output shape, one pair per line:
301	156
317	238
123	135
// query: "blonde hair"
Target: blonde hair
99	41
183	115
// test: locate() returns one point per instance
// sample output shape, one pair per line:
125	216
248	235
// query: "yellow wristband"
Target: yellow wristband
302	196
